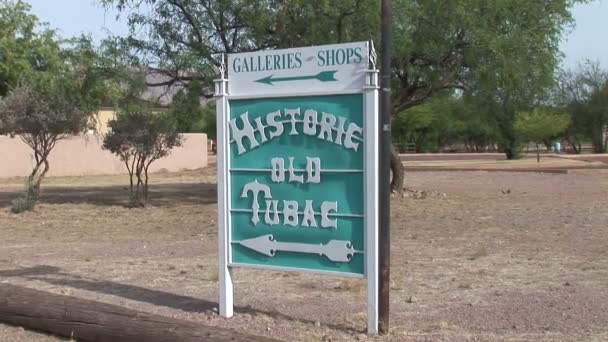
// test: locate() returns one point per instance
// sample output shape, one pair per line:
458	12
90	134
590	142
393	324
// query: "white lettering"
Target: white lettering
278	126
246	132
293	113
290	213
348	138
348	141
255	188
278	170
310	122
326	207
340	133
292	176
313	169
309	216
260	128
327	123
272	214
269	207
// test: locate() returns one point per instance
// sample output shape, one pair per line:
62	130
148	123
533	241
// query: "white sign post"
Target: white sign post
297	163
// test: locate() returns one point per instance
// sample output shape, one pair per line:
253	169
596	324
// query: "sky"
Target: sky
589	39
75	17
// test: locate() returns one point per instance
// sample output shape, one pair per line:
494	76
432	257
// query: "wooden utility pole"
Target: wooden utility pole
385	170
86	320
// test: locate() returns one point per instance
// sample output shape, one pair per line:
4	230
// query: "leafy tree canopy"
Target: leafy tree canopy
541	124
26	45
583	92
139	138
504	51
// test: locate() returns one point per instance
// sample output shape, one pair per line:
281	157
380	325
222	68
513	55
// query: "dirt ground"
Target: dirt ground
476	256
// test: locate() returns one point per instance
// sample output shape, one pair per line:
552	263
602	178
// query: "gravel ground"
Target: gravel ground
477	256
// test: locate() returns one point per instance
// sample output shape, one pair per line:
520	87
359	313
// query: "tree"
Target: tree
190	114
583	93
540	125
52	87
139	138
598	110
207	123
433	124
41	114
26	45
498	46
447	119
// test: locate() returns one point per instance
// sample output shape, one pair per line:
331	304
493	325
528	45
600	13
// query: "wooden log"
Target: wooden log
87	320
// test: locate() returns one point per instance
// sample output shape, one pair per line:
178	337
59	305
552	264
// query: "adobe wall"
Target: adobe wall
83	156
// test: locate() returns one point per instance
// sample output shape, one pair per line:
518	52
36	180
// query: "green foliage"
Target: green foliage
187	110
191	116
503	54
28	201
207	123
48	90
43	109
430	125
447	119
583	92
540	124
598	110
139	138
26	46
41	112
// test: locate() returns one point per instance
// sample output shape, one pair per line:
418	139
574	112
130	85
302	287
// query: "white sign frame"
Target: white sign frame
369	90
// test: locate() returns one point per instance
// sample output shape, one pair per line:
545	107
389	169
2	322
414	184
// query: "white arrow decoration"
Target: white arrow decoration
334	250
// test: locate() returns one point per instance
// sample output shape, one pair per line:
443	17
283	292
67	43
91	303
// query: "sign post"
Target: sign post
298	164
385	171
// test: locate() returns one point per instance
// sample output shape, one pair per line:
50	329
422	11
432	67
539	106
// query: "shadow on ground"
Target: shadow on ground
56	276
160	195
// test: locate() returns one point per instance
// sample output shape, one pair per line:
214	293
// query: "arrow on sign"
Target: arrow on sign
334	250
323	76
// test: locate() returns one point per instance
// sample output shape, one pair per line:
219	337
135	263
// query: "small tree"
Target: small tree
139	138
41	115
540	125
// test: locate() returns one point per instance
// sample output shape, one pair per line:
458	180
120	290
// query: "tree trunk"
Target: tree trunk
397	171
35	179
597	138
537	153
139	194
574	144
146	184
86	320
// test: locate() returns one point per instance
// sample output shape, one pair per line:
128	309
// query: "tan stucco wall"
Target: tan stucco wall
83	155
102	118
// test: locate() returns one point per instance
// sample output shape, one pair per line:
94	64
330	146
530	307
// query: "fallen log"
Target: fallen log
86	320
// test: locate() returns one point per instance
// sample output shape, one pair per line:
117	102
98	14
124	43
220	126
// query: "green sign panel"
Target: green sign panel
297	183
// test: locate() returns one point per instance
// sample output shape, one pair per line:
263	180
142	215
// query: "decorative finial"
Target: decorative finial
372	54
222	65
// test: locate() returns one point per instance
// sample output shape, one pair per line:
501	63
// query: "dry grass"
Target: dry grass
482	251
353	286
470	265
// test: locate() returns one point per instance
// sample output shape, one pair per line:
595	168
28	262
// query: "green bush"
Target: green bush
22	204
27	202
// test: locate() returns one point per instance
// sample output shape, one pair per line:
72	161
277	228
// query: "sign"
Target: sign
297	164
328	68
